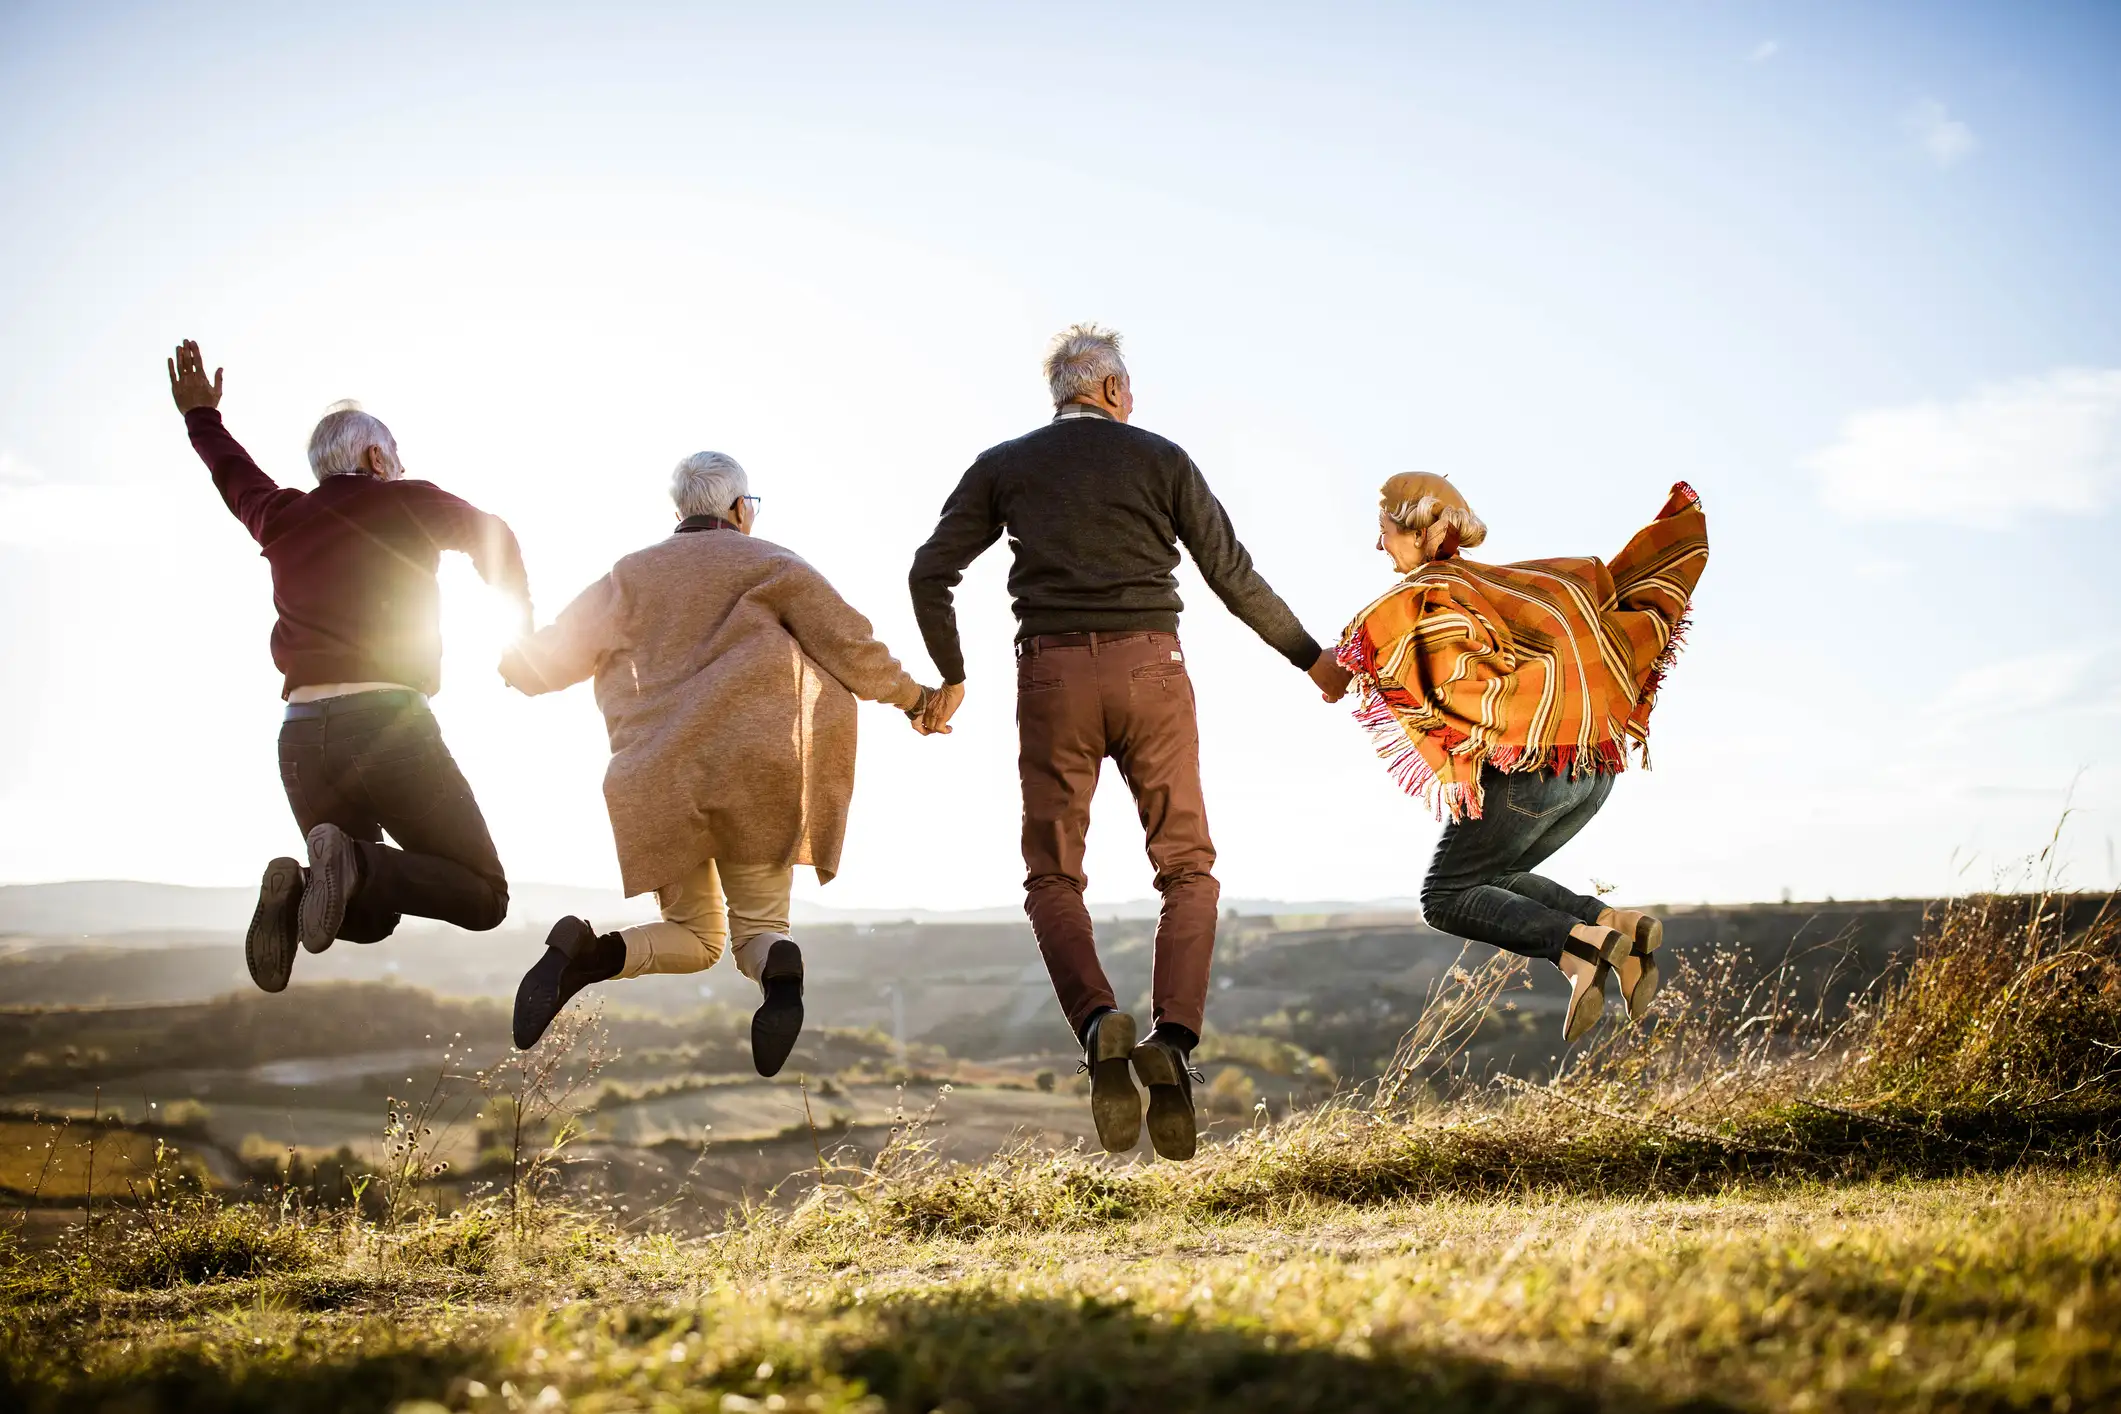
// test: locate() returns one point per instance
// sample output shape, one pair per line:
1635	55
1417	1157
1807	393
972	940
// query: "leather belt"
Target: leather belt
1038	641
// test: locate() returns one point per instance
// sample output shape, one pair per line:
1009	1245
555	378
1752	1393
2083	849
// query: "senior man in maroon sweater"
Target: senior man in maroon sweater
359	643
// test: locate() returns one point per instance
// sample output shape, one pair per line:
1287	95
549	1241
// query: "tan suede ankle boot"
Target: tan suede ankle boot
1639	974
1585	960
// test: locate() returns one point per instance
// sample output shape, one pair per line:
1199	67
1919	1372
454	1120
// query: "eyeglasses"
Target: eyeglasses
752	501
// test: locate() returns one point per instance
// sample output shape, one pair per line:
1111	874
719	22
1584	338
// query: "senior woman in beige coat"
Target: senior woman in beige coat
726	668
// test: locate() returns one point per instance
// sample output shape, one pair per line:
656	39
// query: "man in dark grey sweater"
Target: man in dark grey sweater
1096	511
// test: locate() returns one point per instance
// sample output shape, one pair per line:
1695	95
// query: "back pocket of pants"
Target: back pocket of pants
1031	677
1536	795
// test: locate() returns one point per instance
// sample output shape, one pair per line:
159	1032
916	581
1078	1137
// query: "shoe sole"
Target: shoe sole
1173	1132
537	993
1647	984
1649	936
269	944
1115	1105
332	862
1587	1007
778	1022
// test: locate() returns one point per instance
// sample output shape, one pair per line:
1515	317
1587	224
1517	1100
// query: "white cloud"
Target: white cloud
2020	687
1946	139
2046	443
1765	50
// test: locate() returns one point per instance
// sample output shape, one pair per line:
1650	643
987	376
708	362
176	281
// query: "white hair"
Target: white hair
340	443
1080	359
708	484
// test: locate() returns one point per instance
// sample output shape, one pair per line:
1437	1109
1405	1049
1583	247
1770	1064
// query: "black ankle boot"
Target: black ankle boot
575	956
779	1020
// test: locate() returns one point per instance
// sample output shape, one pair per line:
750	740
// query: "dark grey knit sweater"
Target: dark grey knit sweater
1095	511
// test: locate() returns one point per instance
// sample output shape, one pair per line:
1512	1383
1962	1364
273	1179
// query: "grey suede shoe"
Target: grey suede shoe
269	944
334	874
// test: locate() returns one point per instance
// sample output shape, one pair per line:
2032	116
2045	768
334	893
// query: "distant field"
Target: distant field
54	1161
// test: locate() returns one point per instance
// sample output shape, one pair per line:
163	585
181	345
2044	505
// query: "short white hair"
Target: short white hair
1080	359
342	439
708	484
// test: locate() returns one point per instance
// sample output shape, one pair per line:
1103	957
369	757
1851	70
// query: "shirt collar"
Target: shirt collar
702	523
1071	411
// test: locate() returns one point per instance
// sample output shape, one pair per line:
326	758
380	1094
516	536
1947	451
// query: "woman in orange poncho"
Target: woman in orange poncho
1509	696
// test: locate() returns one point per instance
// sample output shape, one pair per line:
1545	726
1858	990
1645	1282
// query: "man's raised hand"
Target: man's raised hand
188	383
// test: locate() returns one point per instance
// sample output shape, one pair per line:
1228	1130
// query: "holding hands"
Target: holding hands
1332	679
931	714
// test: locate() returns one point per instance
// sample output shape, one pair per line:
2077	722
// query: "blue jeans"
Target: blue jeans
1479	885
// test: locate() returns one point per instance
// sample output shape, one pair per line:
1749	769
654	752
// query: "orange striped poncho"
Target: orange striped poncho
1544	665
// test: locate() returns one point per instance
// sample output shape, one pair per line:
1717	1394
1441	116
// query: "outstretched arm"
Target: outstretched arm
571	647
456	524
1656	571
840	640
1654	577
1204	529
967	527
251	496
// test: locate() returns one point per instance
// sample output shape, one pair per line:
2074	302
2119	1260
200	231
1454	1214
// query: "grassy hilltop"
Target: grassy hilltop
1906	1202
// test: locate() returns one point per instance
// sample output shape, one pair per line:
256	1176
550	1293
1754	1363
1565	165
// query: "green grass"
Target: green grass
1968	1294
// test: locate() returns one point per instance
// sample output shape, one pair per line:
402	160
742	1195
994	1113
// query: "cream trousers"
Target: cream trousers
699	918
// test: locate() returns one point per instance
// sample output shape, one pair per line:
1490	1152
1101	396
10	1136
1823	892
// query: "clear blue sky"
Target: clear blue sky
1848	270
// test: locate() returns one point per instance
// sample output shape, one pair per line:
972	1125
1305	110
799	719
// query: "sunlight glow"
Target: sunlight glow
478	622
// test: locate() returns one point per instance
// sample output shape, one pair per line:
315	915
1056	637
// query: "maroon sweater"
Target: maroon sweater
353	564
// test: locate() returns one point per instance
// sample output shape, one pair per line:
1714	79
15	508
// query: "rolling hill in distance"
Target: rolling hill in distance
106	908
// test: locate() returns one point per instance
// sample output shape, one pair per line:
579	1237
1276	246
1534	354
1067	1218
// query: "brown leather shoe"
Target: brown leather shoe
1168	1072
1639	974
1586	960
1115	1105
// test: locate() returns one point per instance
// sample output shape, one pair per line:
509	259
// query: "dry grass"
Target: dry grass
1846	1297
1991	1052
1907	1206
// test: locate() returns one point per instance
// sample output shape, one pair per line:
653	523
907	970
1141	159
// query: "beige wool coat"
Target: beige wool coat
726	668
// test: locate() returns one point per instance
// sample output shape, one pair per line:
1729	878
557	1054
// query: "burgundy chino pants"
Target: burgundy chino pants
1081	697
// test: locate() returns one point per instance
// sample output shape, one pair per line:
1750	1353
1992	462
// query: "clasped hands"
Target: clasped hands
1330	677
931	713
